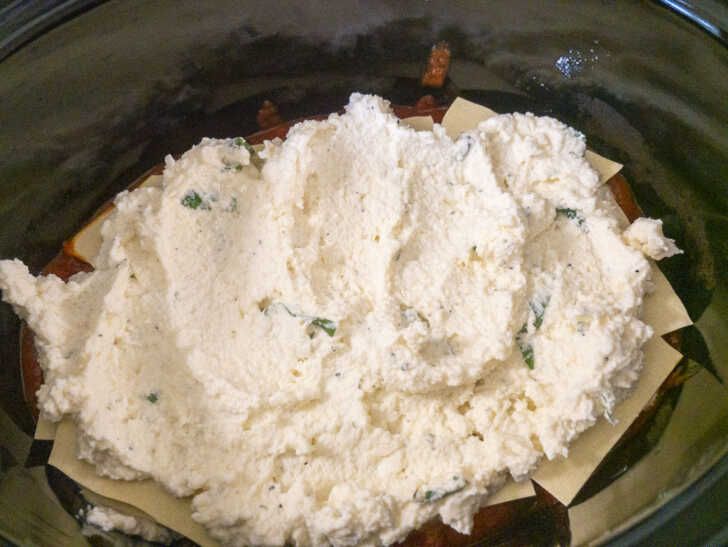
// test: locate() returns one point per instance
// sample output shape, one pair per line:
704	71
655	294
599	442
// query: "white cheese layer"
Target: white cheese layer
374	331
109	519
645	234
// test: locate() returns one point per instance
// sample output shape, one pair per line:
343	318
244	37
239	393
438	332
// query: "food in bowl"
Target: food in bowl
356	330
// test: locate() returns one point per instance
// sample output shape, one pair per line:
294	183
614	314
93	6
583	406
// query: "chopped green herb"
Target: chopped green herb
538	319
434	494
327	325
539	309
571	214
568	213
192	200
525	347
241	142
255	159
527	353
231	165
153	397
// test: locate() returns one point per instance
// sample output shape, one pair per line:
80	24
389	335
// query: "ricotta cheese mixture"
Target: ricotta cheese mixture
108	519
375	329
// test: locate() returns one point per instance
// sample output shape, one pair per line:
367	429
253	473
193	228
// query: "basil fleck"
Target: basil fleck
192	200
434	494
525	347
232	165
527	353
255	159
241	142
571	214
539	309
153	397
327	325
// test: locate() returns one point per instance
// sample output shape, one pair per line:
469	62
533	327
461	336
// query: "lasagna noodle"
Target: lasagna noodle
562	478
